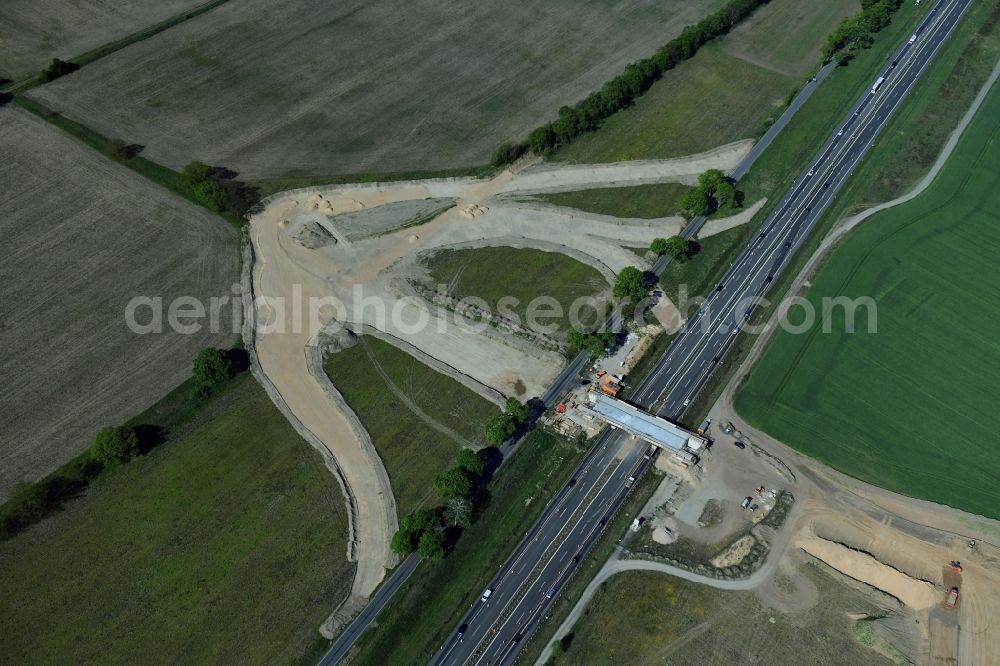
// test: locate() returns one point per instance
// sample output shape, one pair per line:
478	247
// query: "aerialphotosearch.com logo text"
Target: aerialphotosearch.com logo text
409	315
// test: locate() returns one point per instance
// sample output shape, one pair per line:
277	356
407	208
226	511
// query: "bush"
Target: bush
56	69
507	153
411	530
114	446
216	189
432	545
210	367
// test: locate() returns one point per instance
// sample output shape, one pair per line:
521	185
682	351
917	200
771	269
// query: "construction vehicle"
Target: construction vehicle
703	428
952	598
610	386
955	566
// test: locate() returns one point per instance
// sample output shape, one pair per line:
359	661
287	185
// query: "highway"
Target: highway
493	631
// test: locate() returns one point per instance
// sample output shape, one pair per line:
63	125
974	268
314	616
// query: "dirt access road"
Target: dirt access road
286	341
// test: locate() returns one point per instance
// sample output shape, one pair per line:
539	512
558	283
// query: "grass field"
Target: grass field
427	608
643	201
786	35
36	31
709	100
82	237
224	544
375	377
301	88
474	272
908	408
641	617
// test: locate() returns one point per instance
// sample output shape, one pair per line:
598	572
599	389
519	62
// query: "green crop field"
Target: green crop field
645	617
786	35
418	418
224	544
474	272
908	408
643	201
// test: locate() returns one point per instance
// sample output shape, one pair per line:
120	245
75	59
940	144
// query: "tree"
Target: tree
56	69
469	460
658	246
452	483
458	513
711	179
677	247
113	446
516	409
411	529
211	195
431	545
630	284
402	543
725	195
499	428
694	202
211	366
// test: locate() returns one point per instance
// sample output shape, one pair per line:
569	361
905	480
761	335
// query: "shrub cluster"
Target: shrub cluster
620	91
216	189
594	343
713	191
675	246
56	69
857	32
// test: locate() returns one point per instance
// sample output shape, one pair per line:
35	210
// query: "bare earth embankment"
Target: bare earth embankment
81	237
304	86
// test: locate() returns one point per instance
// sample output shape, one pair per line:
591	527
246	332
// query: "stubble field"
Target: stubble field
910	407
82	236
305	87
33	32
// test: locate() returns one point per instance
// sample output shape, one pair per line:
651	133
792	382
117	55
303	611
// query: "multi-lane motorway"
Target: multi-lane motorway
493	631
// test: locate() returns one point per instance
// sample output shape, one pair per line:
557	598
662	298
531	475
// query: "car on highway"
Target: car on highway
740	445
487	594
572	482
811	172
461	629
687	402
840	133
551	593
629	482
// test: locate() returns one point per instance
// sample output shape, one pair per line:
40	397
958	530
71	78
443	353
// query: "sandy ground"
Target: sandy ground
718	225
310	277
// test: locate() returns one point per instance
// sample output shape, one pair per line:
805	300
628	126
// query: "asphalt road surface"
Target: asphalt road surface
493	630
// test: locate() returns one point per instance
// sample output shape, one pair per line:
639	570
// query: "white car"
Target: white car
687	402
486	594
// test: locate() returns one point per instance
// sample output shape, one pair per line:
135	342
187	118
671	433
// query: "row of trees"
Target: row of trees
857	32
217	189
426	531
112	447
56	69
713	191
594	342
620	91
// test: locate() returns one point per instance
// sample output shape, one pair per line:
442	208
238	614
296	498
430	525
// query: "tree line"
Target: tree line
857	32
622	90
431	532
112	447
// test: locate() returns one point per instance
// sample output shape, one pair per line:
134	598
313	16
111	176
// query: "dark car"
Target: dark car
461	629
572	482
551	593
740	445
